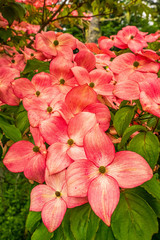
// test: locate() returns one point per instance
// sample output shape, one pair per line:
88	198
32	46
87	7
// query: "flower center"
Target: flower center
55	43
13	61
32	54
91	84
62	81
136	64
58	194
70	142
112	38
102	169
37	93
49	109
76	50
131	37
35	149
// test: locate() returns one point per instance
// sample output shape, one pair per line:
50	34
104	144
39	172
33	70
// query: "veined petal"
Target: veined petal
129	169
57	157
76	153
35	168
127	90
54	130
40	195
79	175
53	213
103	196
42	80
98	147
22	87
86	59
55	181
72	201
18	156
102	113
67	39
81	74
149	105
80	125
80	97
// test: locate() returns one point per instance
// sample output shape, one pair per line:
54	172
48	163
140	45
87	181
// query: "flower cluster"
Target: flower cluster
67	113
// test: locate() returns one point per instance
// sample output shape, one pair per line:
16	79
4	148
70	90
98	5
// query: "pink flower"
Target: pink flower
150	96
100	176
98	79
24	156
66	140
7	76
39	88
49	43
52	200
61	74
133	38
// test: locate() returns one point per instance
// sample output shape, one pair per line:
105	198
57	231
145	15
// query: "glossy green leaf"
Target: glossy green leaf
122	119
10	130
147	145
129	131
66	226
86	225
83	220
133	219
33	65
42	233
32	221
22	122
153	187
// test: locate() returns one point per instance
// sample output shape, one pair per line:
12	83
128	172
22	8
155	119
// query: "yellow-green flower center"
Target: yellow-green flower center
136	64
102	169
35	149
91	84
62	81
70	142
58	194
37	93
49	109
55	43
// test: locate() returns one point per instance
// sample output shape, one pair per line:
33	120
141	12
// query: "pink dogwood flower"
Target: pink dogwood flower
98	79
66	140
39	88
62	76
100	176
52	200
150	96
24	156
133	38
7	76
50	43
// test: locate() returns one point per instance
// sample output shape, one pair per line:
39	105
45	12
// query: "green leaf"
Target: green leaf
18	9
5	34
35	64
153	187
133	219
8	13
129	131
104	232
146	144
10	131
33	219
122	119
83	220
42	233
22	122
66	226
